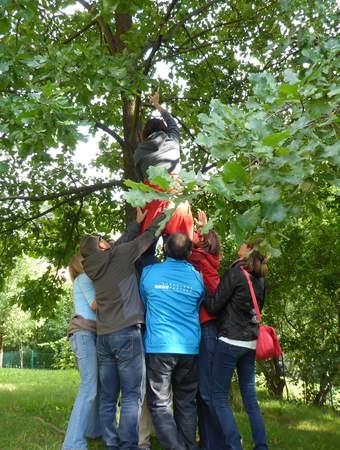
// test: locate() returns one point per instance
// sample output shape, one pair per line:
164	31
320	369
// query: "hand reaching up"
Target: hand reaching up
140	216
201	220
154	99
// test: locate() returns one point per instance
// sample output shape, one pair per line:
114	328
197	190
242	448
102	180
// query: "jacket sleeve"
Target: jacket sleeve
131	233
173	130
215	303
134	249
261	302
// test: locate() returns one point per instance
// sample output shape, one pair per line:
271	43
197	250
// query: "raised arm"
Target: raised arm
133	228
173	130
215	303
134	249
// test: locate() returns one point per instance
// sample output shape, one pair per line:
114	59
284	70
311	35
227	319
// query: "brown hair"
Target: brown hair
210	242
75	267
152	125
256	263
88	245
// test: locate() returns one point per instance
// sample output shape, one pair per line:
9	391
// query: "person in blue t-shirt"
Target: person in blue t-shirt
172	292
84	420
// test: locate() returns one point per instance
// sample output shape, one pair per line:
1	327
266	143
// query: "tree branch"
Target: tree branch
79	191
111	39
192	136
116	136
78	33
36	216
190	16
158	41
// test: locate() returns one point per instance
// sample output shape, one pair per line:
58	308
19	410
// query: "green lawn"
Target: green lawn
35	406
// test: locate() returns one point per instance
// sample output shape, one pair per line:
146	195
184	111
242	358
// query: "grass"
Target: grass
35	407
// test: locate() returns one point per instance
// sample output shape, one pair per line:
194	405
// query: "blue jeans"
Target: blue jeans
84	420
227	358
121	369
211	433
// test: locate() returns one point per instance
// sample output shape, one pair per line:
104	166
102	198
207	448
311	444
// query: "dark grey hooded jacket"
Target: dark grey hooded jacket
115	282
159	149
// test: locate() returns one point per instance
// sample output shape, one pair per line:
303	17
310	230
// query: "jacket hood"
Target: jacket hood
95	265
199	253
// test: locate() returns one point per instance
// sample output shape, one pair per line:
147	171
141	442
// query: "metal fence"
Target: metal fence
29	359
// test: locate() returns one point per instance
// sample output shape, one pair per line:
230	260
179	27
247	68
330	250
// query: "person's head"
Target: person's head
255	262
75	267
92	243
178	246
210	242
152	125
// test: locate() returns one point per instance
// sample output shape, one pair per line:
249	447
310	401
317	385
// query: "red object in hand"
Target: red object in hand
180	222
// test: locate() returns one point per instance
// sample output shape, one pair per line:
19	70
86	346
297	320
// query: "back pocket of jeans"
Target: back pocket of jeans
125	351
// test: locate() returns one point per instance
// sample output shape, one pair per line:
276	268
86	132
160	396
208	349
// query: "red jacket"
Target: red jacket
207	265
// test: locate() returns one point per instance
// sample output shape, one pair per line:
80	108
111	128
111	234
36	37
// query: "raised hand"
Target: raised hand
154	99
140	216
201	220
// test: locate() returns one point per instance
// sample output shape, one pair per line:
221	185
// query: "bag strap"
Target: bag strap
252	293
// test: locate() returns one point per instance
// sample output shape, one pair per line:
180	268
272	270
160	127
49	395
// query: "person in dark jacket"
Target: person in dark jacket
206	258
160	146
237	338
120	313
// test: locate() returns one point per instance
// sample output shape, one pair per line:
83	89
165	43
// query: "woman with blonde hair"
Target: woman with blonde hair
84	420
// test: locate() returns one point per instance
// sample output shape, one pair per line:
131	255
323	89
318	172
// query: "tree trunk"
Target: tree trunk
275	380
21	358
324	389
131	112
1	349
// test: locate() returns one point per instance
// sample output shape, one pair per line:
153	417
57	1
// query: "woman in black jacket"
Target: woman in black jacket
237	337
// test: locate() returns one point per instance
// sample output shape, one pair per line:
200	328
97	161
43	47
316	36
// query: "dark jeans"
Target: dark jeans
211	434
227	358
121	369
175	429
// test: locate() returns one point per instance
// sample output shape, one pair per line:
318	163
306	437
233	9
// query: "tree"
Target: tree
96	64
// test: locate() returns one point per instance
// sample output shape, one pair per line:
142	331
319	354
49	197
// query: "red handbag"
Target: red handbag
268	345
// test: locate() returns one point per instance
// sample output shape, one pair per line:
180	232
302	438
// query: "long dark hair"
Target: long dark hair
210	242
256	263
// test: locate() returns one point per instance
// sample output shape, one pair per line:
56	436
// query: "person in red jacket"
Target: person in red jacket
206	258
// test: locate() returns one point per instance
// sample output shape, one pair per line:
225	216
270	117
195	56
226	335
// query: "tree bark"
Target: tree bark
274	380
1	349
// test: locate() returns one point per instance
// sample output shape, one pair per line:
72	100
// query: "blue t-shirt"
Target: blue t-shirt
83	296
172	292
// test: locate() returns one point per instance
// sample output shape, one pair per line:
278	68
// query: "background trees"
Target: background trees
254	86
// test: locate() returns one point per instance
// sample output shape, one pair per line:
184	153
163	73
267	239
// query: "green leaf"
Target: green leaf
209	226
139	186
273	139
290	77
274	212
270	195
160	177
5	25
288	89
249	220
333	152
334	89
238	233
234	172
